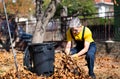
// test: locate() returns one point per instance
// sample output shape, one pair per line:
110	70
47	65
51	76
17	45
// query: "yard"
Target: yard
106	67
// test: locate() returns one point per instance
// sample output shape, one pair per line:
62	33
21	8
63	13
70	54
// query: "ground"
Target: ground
106	67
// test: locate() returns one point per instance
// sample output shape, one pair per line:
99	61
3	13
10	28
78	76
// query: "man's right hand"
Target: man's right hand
67	52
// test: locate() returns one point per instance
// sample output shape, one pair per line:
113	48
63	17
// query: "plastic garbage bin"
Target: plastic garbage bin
43	58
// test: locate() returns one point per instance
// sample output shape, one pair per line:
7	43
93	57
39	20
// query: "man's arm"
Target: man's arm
85	49
67	48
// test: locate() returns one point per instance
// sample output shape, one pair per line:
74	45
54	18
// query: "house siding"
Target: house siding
104	6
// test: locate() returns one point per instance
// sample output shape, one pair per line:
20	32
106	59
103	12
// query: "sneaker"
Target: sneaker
93	76
7	49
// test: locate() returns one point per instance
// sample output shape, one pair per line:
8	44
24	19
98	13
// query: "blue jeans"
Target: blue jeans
90	56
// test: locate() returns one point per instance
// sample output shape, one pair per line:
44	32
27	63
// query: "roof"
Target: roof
109	2
99	1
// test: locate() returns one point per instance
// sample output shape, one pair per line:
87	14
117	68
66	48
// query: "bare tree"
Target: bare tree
43	20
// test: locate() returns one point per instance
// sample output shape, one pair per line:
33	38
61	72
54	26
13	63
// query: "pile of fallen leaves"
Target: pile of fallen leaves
68	68
106	67
65	68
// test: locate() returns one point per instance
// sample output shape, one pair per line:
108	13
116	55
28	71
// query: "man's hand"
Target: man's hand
67	53
75	56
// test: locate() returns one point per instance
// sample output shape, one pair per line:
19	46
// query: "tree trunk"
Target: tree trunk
40	29
63	14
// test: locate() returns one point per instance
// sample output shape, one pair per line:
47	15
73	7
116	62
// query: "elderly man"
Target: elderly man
84	43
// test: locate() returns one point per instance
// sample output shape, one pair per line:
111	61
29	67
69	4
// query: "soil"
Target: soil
107	66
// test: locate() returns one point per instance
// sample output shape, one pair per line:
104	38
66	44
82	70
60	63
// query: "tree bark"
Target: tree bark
40	29
63	14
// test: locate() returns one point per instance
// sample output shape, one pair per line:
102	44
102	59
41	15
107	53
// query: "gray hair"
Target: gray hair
75	22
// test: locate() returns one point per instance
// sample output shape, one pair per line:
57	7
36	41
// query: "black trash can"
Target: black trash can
43	58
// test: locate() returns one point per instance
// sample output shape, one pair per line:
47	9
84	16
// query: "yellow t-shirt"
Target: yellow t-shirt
87	35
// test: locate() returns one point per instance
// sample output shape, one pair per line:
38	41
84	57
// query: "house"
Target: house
104	7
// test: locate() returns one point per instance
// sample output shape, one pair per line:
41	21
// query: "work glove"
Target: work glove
75	56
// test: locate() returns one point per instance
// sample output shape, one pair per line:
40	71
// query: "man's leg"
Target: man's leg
8	43
90	57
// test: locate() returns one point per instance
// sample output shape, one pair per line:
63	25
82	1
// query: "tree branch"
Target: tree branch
40	29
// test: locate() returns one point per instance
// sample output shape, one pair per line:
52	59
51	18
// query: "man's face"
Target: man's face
75	30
